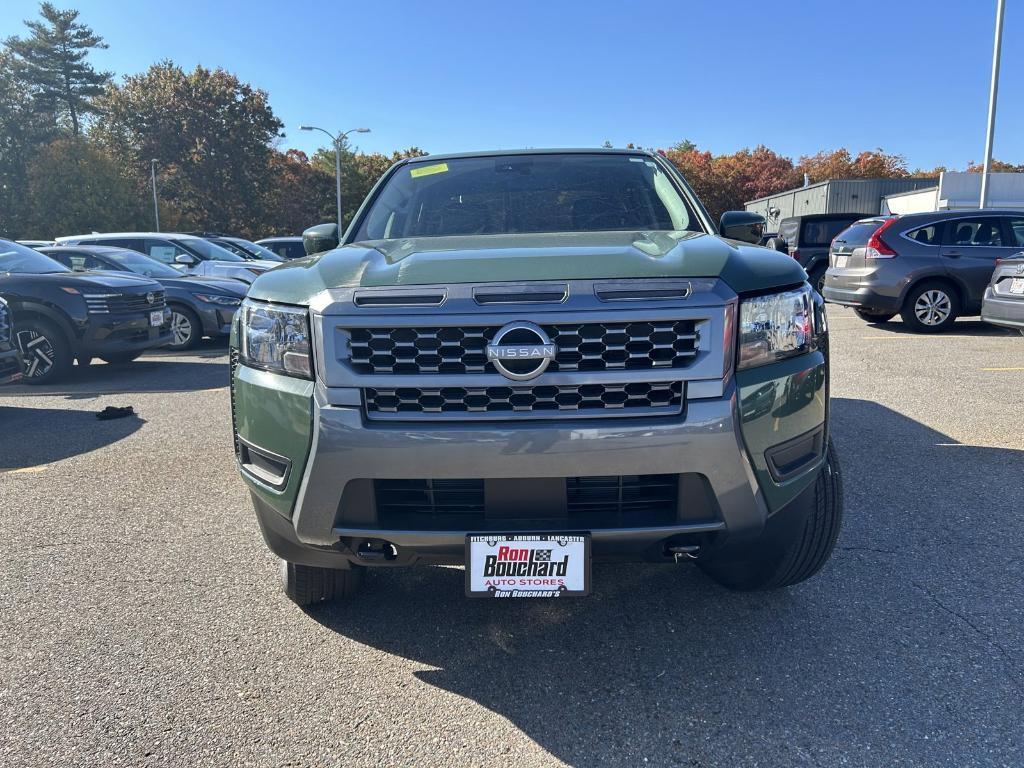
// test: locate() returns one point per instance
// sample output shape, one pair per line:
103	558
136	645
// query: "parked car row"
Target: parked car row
930	268
115	295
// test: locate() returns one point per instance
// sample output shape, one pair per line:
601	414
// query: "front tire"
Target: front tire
930	307
45	351
308	585
817	280
793	547
186	330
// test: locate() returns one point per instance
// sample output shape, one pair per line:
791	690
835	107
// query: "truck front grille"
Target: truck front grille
591	503
117	303
637	398
581	347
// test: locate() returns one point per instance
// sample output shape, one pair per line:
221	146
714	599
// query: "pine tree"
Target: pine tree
52	60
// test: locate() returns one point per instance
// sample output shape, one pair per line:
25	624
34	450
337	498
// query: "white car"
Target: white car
190	254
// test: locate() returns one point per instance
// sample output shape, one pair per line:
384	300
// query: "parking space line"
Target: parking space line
24	470
1018	368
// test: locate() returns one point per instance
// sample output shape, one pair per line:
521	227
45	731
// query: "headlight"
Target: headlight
775	327
276	339
216	298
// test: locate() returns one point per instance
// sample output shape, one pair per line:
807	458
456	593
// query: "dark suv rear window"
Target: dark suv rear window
859	233
819	232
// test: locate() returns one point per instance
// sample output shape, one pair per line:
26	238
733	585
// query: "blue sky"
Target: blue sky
910	76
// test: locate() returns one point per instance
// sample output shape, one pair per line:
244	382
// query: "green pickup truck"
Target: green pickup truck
526	362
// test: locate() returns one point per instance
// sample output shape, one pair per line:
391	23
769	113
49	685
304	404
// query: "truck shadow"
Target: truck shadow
31	437
148	374
962	327
662	665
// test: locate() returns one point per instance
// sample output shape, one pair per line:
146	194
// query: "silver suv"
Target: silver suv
186	253
929	268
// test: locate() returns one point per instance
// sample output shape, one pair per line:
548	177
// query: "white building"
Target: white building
958	189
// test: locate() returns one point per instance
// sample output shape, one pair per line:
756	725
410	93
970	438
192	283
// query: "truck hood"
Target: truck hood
528	257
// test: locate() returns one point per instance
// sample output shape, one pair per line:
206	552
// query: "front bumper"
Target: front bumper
216	321
859	288
321	513
1002	311
117	334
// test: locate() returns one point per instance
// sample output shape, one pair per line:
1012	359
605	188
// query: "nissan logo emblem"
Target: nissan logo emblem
521	351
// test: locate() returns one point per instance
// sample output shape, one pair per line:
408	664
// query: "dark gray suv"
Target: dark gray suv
929	268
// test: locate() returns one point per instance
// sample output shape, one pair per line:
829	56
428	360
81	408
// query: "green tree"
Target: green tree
359	172
211	135
74	186
22	132
301	195
53	62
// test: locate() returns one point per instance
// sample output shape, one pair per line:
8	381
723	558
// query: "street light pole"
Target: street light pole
993	91
336	141
156	209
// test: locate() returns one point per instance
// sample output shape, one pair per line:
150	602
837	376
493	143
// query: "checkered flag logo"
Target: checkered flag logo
542	555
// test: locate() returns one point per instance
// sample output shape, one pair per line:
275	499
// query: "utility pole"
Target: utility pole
992	94
336	141
156	209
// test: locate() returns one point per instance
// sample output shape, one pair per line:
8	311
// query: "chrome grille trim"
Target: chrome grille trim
116	303
708	309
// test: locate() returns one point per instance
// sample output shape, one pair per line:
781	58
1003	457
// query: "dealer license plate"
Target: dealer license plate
842	261
528	565
156	318
1017	285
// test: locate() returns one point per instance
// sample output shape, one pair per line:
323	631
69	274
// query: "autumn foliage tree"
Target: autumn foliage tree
210	133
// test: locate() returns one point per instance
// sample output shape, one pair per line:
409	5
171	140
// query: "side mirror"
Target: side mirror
187	259
322	237
742	225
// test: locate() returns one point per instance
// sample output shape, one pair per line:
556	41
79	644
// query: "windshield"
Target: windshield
207	251
252	250
513	194
21	260
136	262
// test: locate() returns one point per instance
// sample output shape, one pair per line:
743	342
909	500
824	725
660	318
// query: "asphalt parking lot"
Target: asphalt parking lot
142	624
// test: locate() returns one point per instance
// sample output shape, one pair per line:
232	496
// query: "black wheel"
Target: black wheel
817	279
120	358
186	330
795	544
874	317
45	351
777	244
930	307
308	585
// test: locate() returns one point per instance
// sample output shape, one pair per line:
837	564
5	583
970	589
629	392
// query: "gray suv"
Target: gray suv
929	268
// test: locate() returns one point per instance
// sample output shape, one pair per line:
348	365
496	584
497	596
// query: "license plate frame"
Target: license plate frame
1017	286
575	582
156	318
842	260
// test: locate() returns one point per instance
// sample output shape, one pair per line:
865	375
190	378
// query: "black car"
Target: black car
61	316
200	306
807	239
287	247
10	358
247	249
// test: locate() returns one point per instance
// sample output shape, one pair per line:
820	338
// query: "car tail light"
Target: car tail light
877	248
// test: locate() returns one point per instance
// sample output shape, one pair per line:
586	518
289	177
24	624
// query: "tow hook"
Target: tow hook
684	551
377	550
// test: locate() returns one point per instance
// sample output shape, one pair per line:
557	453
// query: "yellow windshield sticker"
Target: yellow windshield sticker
428	170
